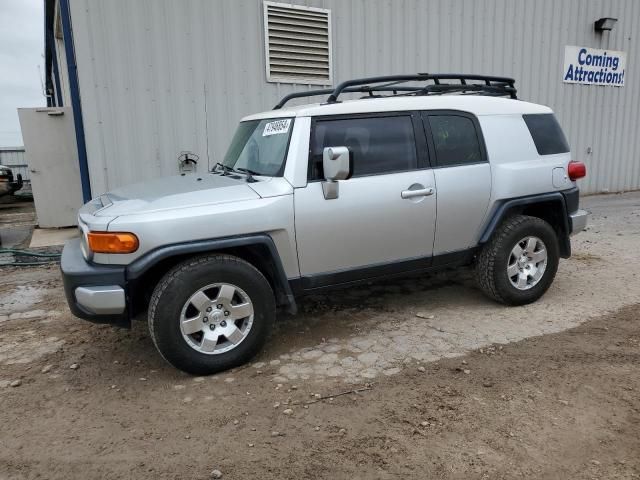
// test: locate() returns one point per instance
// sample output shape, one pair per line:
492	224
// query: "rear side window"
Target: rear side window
455	140
546	133
377	144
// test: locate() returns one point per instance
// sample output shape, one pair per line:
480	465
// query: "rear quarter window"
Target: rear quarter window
546	133
455	139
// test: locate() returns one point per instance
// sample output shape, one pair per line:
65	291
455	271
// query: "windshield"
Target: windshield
260	146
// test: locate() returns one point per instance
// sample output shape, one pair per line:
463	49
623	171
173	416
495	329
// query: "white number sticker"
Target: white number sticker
276	127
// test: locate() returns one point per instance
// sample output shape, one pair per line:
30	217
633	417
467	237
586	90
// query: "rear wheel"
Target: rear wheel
519	262
211	313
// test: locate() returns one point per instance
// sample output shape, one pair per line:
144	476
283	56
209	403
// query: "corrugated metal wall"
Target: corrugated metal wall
14	157
158	77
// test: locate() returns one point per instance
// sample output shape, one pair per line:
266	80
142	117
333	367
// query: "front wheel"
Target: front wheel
519	263
211	313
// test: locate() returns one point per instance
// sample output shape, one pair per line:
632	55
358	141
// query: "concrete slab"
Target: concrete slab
17	219
49	237
14	236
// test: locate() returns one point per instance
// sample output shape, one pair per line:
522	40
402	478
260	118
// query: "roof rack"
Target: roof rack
453	82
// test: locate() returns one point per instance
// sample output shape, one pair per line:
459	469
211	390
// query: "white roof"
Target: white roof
476	104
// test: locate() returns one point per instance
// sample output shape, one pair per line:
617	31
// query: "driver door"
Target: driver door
383	219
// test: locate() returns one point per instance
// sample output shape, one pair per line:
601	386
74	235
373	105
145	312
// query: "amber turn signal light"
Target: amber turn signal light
112	242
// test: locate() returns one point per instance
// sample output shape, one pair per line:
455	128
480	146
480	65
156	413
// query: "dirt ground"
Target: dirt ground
443	383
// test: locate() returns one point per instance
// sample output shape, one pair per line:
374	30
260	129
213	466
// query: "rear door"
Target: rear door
462	177
372	228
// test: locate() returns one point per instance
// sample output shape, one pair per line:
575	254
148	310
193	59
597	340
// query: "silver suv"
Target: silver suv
423	172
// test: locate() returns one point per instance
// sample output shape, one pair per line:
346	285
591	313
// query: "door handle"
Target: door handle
423	192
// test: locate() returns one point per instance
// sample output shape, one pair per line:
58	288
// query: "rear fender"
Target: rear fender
551	207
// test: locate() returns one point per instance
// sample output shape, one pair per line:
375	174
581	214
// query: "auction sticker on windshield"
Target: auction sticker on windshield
276	127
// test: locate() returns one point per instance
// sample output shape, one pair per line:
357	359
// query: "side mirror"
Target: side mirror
337	165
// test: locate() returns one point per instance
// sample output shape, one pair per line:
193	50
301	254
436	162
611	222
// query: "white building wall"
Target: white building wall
158	77
61	59
63	72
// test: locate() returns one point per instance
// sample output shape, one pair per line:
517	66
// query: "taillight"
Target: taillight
576	170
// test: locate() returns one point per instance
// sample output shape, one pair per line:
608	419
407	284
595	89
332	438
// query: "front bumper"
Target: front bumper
94	292
578	221
8	187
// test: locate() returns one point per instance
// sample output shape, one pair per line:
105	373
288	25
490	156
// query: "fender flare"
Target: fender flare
506	206
282	288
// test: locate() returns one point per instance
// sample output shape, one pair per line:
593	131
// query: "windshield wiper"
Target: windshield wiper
249	174
246	170
225	168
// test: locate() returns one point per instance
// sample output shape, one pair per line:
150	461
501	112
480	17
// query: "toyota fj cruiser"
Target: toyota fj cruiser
421	173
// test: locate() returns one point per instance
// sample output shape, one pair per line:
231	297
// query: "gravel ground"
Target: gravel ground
448	387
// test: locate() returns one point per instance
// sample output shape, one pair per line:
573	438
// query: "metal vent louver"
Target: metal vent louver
297	44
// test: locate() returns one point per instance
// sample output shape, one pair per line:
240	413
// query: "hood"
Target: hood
180	191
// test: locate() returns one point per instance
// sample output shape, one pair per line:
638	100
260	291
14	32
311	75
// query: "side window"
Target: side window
455	140
377	144
546	133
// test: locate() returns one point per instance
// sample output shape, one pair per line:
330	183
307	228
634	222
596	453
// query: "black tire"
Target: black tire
491	263
177	286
